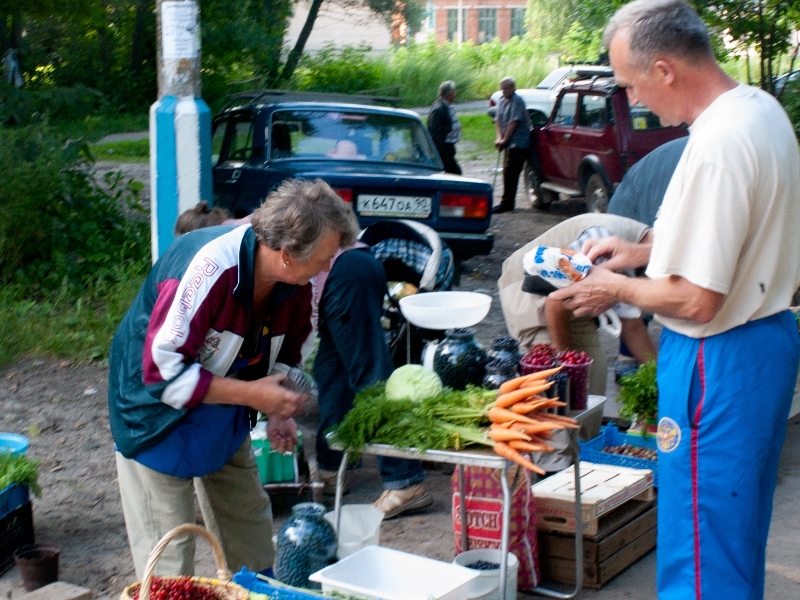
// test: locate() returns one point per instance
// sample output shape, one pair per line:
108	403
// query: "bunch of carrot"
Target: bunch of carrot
519	421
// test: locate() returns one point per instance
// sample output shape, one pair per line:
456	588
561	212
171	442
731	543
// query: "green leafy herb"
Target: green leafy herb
451	420
639	393
18	469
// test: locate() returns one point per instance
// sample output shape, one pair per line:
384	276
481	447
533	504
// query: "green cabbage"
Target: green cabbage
413	382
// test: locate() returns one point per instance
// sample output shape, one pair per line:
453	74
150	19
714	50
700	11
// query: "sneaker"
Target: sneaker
328	479
393	503
500	209
625	366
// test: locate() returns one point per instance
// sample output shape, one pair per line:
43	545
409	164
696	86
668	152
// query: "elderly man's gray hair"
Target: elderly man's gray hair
667	27
446	88
508	80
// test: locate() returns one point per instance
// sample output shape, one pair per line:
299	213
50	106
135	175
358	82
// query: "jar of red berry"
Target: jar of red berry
576	364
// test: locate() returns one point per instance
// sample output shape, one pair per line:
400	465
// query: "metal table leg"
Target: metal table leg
337	503
578	529
463	509
506	528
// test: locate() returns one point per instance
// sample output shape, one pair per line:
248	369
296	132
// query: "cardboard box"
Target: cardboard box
603	488
624	536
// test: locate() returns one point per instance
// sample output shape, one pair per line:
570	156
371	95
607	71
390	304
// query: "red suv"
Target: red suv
593	136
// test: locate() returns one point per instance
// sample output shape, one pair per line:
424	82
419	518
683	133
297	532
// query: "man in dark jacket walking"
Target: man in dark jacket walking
444	126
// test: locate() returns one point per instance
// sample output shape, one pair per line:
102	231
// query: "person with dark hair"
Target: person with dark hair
200	216
444	126
721	271
205	346
513	125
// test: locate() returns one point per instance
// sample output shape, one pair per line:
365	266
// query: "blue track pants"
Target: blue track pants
723	405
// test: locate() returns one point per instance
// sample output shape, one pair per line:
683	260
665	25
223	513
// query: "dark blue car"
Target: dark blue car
381	159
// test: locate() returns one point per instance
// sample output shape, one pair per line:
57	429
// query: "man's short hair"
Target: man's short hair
446	87
508	80
666	27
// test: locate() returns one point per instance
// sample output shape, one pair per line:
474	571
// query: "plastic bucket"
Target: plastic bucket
13	442
38	565
487	585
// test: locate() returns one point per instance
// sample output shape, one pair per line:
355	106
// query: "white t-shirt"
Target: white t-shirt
730	219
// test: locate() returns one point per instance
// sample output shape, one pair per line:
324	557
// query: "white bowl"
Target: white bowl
445	310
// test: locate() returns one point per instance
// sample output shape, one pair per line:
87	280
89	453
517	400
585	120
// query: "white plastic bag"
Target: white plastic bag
360	527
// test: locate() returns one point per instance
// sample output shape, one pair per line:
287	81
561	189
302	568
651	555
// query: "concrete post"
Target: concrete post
180	122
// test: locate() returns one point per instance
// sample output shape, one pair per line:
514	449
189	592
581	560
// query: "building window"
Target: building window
452	24
487	25
518	28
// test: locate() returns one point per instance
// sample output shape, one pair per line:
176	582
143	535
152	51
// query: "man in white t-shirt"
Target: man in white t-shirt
722	269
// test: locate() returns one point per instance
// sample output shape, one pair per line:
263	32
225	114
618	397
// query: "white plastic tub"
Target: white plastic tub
376	572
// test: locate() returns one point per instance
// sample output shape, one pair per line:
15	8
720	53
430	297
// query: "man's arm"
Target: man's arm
671	296
556	319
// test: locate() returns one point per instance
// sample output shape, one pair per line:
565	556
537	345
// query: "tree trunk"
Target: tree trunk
294	56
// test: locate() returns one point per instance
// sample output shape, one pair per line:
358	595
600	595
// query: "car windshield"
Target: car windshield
553	79
351	135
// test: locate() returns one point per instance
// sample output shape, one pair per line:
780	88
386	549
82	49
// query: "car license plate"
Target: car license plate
394	206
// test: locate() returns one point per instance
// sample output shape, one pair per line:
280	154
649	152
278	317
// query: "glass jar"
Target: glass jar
306	543
460	359
505	347
498	371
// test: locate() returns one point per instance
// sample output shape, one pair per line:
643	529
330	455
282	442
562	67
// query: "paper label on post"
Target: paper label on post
180	30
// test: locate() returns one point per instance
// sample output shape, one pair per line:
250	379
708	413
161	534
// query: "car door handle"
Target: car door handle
236	174
567	136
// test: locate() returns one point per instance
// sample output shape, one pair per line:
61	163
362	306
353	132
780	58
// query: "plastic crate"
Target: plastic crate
16	530
272	588
592	451
12	498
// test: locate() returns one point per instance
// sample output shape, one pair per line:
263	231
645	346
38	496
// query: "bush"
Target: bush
344	71
791	103
59	227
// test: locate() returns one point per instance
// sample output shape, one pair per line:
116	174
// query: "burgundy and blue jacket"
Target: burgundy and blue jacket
191	321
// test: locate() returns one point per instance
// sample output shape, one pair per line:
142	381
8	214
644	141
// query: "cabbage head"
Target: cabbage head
412	382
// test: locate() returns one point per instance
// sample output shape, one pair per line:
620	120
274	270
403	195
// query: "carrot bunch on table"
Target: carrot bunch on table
519	423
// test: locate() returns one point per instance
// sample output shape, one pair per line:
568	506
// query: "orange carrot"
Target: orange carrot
565	421
501	434
509	398
524	446
523	408
538	428
514	384
506	451
501	415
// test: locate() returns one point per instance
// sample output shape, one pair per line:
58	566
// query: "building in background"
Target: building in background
481	20
339	26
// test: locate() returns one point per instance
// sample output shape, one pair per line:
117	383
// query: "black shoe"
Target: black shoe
502	209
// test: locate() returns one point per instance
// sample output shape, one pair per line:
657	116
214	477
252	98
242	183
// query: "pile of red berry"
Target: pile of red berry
573	357
542	356
177	588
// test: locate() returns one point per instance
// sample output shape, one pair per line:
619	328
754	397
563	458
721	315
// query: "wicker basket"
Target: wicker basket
222	586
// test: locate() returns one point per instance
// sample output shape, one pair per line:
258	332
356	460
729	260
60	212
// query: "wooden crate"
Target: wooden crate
624	536
603	488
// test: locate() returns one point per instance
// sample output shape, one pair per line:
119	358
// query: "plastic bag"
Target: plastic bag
484	501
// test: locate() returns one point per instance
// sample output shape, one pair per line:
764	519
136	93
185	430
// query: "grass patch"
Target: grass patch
61	325
96	127
124	151
479	129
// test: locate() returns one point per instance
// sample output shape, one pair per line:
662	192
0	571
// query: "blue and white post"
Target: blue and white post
180	123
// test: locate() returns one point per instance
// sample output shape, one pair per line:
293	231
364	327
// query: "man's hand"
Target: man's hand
619	255
592	295
499	144
282	434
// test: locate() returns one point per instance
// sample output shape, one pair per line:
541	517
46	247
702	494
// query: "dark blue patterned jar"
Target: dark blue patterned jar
306	543
459	359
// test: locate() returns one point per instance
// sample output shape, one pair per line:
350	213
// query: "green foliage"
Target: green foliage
638	393
582	45
346	71
20	470
791	103
478	129
59	227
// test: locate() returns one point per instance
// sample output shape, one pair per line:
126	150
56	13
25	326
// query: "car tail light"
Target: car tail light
492	102
464	206
345	194
628	160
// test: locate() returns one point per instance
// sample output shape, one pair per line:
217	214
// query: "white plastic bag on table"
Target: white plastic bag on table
360	527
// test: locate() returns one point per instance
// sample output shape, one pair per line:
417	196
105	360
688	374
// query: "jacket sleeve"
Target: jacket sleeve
439	124
351	310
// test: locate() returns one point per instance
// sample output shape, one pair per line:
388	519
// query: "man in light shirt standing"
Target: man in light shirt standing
722	269
513	125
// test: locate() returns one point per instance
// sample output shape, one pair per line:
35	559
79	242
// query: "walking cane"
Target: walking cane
496	169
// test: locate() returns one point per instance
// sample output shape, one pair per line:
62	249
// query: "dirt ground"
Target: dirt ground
61	407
